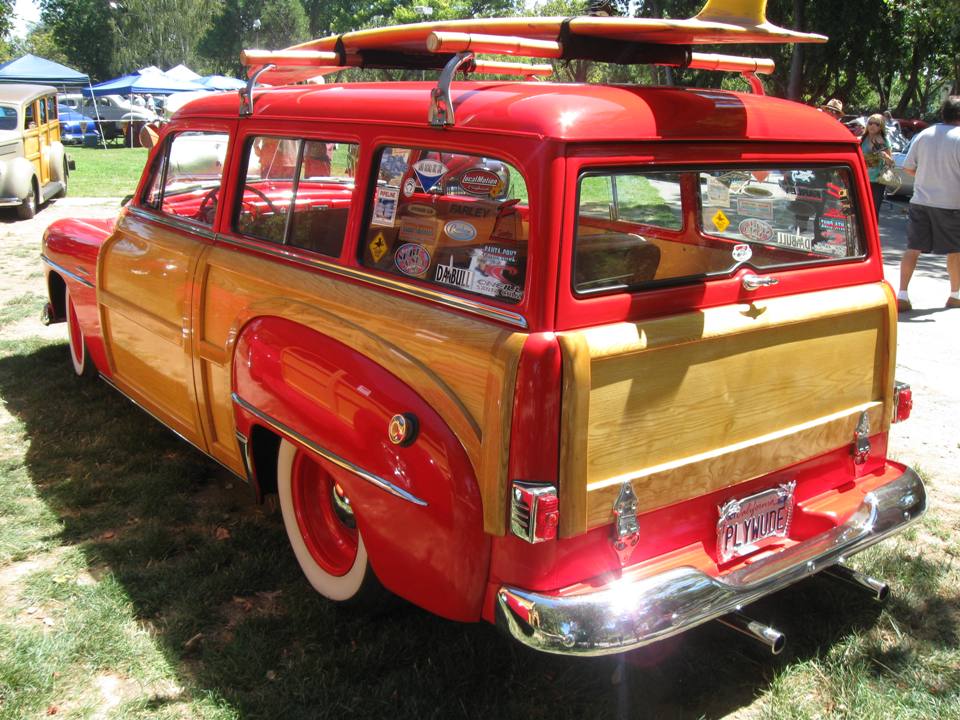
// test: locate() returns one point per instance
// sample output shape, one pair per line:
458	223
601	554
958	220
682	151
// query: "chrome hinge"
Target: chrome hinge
861	440
626	529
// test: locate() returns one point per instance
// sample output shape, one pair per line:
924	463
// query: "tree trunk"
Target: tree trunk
795	85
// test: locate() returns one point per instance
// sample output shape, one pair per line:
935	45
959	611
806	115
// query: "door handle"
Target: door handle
755	282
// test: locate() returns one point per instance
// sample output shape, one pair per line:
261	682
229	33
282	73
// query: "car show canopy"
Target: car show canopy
221	82
33	69
153	83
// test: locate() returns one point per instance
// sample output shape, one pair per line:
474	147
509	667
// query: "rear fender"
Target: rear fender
423	531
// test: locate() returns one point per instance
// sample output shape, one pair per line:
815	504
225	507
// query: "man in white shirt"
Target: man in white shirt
933	225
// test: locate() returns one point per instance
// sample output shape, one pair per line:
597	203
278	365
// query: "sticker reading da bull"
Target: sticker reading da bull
412	259
750	523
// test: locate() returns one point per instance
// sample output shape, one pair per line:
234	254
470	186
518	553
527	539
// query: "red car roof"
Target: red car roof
549	110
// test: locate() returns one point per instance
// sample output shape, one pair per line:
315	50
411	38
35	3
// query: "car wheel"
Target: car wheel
82	364
28	208
322	528
62	193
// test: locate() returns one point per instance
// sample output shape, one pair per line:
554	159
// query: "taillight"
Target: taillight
535	440
534	511
902	401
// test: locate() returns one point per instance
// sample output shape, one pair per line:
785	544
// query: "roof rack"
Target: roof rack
453	46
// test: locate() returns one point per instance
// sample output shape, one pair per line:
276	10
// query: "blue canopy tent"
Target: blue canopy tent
153	83
221	82
33	69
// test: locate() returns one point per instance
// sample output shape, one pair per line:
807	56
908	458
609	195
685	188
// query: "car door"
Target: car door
32	146
146	276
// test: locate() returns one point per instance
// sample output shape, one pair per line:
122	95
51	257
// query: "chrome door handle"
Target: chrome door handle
755	282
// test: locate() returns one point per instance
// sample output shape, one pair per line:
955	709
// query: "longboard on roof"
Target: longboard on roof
611	39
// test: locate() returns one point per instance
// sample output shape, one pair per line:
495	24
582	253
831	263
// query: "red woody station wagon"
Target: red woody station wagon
597	364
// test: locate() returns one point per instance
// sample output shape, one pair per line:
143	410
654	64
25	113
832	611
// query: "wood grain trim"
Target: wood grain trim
154	324
889	375
495	443
622	338
574	423
206	350
674	482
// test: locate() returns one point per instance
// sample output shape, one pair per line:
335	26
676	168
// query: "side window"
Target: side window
29	116
458	221
186	179
51	107
43	111
297	192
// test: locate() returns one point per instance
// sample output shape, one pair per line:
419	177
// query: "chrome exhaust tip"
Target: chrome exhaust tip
879	589
771	637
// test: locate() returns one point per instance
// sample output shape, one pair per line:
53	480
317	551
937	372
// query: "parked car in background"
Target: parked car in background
111	112
76	128
911	127
33	164
905	188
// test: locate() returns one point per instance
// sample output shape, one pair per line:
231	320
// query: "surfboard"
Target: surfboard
719	22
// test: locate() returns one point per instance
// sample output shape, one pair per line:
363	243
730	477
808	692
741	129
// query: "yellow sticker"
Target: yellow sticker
720	221
378	247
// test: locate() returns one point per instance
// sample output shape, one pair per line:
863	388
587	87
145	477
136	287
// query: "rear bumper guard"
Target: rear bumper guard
628	614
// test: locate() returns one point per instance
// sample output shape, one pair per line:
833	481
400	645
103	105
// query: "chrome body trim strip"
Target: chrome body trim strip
184	225
328	455
61	269
180	435
458	303
627	614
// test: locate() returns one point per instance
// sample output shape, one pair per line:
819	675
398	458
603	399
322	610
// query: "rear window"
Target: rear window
644	228
455	220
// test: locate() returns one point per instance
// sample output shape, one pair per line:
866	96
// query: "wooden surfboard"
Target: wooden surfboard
719	22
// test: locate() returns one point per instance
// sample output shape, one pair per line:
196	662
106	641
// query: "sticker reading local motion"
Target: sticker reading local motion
429	172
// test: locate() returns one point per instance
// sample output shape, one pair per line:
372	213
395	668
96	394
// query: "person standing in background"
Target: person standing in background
933	223
876	152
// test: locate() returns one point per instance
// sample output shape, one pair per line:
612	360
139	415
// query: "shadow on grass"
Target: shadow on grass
146	507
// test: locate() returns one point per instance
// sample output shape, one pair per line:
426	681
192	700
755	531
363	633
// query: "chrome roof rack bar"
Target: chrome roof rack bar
441	106
246	94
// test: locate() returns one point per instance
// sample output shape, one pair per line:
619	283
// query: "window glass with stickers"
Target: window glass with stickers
458	221
644	229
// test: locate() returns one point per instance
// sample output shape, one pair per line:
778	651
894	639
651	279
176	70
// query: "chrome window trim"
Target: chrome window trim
458	303
292	434
173	222
61	269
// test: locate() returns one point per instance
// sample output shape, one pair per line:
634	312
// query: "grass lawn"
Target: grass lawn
111	172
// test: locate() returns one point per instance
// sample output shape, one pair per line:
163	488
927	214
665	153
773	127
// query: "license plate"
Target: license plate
750	523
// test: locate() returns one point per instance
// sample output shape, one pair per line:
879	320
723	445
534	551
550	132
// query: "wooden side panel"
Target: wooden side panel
144	296
464	368
690	404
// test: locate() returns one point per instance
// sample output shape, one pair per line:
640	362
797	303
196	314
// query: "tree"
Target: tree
157	32
252	23
87	33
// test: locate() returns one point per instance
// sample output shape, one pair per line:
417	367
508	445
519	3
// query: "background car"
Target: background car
905	189
76	128
112	111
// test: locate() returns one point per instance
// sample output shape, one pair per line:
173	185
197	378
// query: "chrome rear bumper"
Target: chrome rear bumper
628	614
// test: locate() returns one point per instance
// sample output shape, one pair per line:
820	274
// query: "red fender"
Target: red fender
72	245
303	383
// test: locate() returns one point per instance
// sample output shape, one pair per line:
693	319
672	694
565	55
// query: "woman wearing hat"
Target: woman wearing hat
876	151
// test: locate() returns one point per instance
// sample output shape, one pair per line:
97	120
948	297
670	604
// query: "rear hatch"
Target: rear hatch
689	401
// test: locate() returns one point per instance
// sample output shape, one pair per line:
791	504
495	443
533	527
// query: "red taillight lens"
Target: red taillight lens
534	511
902	401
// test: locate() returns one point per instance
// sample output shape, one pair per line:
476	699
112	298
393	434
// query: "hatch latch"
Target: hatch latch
626	529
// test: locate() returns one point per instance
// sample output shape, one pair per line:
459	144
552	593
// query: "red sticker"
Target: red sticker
481	182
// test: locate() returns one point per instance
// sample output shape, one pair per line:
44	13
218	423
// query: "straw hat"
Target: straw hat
835	105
